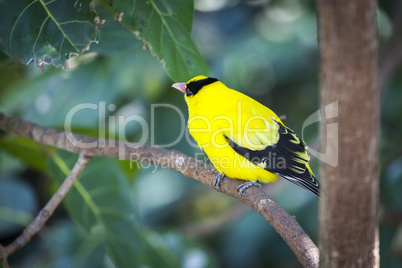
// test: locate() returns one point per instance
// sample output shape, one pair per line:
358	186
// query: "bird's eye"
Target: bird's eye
189	93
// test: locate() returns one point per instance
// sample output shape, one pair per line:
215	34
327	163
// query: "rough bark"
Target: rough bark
349	204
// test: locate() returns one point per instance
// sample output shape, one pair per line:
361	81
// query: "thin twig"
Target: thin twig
45	213
301	244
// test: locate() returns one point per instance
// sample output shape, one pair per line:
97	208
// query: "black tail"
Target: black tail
308	182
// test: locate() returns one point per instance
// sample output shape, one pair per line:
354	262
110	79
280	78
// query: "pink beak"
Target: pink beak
180	86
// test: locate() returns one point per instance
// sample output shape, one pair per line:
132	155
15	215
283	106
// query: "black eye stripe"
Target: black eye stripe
195	86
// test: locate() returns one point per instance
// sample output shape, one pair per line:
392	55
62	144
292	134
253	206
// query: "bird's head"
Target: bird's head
194	85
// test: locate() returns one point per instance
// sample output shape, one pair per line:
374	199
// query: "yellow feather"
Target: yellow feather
229	113
219	115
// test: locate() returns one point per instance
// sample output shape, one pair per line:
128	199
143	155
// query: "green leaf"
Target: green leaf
46	31
67	246
116	38
165	27
100	202
26	150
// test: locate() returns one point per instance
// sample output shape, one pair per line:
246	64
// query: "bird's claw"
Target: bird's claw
218	179
246	185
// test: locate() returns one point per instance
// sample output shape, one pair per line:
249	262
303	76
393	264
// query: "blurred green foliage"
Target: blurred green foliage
123	213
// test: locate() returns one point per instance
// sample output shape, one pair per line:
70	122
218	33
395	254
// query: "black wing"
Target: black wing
286	158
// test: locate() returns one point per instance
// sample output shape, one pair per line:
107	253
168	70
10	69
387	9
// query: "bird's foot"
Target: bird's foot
218	179
246	185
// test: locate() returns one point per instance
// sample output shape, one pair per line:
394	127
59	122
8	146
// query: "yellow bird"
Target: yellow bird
243	138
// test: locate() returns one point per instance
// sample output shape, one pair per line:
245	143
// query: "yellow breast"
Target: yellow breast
217	113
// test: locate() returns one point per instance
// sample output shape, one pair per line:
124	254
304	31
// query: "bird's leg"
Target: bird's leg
246	185
218	179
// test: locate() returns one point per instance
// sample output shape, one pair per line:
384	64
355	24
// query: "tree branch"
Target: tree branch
301	244
348	221
45	213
